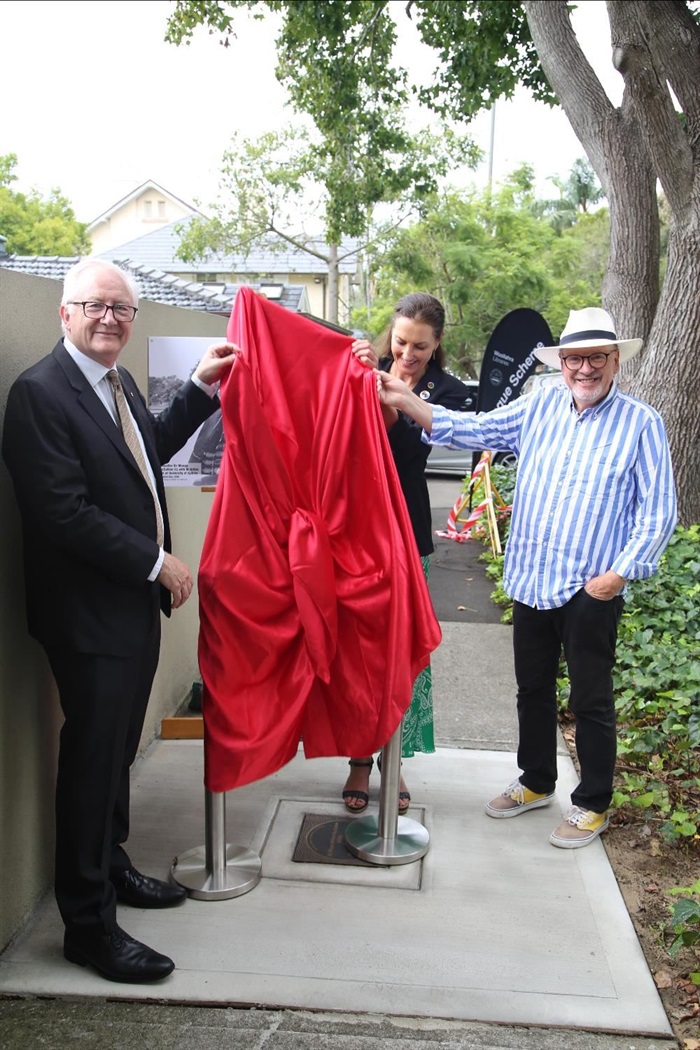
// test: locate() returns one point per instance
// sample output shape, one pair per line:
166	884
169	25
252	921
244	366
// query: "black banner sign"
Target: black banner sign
509	357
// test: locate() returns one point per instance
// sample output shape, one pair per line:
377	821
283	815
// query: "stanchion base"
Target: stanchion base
242	873
409	844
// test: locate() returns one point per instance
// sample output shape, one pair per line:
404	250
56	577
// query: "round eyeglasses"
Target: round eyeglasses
574	361
96	311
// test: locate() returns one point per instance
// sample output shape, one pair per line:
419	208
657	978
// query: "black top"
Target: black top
411	454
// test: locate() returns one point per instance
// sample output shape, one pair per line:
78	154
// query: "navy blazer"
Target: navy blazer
88	518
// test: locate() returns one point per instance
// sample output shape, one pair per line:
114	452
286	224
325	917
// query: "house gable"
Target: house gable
146	208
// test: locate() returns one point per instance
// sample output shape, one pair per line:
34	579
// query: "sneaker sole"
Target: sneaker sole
577	843
517	810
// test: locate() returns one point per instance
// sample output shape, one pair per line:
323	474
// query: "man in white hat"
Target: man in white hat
594	506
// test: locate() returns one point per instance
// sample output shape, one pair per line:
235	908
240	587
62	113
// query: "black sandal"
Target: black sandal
359	796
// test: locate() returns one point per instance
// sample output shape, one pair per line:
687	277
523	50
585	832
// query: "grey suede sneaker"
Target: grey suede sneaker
579	827
517	799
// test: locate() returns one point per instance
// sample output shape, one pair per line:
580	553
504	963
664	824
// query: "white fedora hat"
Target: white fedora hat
589	327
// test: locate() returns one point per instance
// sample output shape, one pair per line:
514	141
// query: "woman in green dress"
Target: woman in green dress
412	350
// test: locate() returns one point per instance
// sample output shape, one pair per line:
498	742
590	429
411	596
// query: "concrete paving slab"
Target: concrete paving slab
503	927
474	687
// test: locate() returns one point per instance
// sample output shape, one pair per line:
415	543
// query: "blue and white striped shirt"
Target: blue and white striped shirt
594	489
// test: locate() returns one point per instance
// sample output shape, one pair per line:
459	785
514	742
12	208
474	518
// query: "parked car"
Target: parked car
457	462
542	379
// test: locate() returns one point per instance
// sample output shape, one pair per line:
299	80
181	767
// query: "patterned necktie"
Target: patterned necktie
134	445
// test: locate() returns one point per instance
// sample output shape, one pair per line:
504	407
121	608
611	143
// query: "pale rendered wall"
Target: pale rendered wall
134	220
30	717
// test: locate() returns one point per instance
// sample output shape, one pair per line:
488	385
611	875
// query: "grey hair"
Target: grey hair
94	262
72	278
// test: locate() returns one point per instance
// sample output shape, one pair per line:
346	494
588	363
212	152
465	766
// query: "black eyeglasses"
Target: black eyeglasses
96	311
574	361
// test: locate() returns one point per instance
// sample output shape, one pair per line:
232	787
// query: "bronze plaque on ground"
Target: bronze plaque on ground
322	841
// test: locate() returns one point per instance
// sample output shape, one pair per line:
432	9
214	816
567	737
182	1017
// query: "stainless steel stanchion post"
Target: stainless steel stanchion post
388	838
216	871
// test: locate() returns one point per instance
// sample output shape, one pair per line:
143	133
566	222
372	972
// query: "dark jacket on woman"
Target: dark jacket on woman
410	453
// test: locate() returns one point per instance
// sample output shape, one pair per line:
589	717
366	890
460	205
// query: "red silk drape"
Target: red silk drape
315	617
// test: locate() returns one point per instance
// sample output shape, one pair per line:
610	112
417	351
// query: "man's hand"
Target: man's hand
394	393
217	360
177	578
606	586
365	352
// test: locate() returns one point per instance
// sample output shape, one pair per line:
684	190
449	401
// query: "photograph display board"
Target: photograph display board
171	361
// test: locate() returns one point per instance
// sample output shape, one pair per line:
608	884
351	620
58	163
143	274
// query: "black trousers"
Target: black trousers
586	629
104	701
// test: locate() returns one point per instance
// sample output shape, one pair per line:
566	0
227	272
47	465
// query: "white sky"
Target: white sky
95	102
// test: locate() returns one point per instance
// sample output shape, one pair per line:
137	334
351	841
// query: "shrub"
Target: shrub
684	927
657	684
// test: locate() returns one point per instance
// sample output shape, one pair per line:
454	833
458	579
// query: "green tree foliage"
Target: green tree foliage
262	185
272	189
335	59
581	187
484	255
484	52
577	193
34	226
275	185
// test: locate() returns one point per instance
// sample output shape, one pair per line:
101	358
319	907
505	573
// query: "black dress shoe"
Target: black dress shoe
117	956
141	891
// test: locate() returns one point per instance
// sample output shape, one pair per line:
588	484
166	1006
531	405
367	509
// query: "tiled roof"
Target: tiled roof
159	248
40	265
156	285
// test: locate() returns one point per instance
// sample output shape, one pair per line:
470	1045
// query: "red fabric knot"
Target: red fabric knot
311	565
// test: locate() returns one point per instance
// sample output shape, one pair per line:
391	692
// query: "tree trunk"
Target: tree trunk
668	375
628	148
613	143
333	282
656	43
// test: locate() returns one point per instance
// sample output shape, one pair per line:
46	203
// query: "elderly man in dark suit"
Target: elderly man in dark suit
84	454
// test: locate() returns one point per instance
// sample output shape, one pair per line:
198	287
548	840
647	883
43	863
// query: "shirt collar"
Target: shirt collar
92	370
595	410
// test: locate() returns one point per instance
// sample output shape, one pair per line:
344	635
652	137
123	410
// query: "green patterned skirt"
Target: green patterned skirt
418	720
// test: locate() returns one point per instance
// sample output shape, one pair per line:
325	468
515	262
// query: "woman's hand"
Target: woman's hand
365	352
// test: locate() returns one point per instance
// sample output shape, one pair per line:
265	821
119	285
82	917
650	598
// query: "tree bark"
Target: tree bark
654	42
333	283
668	375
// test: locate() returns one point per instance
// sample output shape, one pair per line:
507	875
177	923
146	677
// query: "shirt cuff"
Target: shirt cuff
210	389
157	567
441	430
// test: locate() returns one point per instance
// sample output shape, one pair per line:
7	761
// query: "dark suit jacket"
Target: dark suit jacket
87	514
411	454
